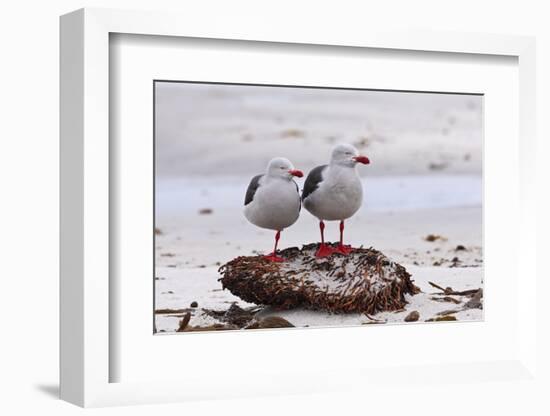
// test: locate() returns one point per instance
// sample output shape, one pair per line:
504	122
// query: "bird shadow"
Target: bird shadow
51	390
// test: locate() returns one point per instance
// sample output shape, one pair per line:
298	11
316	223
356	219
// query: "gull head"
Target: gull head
347	155
281	167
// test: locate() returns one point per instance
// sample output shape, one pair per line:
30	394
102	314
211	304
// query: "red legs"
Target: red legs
273	256
342	249
323	250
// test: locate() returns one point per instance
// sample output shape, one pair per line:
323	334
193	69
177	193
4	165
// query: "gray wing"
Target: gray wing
314	178
252	188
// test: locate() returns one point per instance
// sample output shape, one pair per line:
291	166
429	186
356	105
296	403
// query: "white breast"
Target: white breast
338	196
276	205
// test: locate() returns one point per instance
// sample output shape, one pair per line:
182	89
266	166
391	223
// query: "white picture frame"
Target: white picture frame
86	356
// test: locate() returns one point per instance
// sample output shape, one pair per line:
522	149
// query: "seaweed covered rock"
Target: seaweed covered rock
365	281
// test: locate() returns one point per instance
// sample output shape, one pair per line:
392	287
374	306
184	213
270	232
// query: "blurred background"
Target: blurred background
213	129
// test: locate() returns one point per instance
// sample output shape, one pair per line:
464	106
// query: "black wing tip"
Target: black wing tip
252	188
314	178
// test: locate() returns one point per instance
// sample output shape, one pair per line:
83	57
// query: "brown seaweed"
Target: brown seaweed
365	281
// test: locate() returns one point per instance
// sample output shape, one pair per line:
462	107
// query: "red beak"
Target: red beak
362	159
296	172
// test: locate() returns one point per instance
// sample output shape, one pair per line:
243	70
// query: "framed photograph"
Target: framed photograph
219	174
240	206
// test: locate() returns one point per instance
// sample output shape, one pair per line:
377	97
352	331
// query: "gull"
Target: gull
334	192
272	199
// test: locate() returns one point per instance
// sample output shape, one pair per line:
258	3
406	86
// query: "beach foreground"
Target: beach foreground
437	239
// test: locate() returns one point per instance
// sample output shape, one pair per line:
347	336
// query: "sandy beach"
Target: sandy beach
194	241
422	192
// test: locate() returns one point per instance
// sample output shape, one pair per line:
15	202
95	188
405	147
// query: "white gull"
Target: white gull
334	192
272	199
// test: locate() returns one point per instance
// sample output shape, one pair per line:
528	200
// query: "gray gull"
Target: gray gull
272	199
334	192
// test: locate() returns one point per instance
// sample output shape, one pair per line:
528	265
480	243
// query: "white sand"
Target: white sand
201	286
193	245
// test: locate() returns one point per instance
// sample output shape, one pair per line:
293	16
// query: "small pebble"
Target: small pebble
194	304
442	318
270	322
412	317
